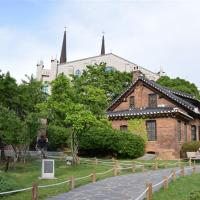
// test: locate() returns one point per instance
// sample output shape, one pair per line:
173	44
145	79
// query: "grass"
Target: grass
26	174
180	189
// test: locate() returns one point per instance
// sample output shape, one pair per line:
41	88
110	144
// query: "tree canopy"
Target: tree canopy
19	120
112	82
179	84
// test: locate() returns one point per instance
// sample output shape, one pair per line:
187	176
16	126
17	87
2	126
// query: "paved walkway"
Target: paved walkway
126	187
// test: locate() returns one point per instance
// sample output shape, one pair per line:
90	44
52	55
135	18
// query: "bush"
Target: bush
106	141
7	183
189	147
194	195
57	137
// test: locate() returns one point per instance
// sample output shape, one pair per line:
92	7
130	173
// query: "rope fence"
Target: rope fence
117	167
148	192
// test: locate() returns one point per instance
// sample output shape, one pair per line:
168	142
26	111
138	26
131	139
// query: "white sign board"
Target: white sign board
48	169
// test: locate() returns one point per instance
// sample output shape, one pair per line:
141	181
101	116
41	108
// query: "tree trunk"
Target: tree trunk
7	163
74	147
3	157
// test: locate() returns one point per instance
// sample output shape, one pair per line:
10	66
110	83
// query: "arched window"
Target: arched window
110	68
77	72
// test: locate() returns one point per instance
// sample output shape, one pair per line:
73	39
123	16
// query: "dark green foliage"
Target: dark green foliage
7	183
179	84
112	82
103	141
189	147
194	195
57	136
19	122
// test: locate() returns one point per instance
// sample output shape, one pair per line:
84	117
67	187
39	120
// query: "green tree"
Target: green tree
18	104
57	106
112	82
94	99
179	84
11	128
8	91
65	112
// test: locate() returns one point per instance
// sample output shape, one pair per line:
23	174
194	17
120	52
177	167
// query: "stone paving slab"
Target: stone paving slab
126	187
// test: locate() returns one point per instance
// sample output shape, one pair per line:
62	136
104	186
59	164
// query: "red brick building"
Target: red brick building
171	117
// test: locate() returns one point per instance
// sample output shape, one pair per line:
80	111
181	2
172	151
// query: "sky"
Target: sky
150	33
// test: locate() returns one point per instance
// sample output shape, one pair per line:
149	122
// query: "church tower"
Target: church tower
63	55
103	46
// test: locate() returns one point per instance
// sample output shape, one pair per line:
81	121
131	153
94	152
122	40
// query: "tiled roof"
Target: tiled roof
180	93
146	111
163	90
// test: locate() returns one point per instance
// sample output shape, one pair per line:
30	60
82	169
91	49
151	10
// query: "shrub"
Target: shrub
57	137
189	146
106	141
7	183
138	126
194	195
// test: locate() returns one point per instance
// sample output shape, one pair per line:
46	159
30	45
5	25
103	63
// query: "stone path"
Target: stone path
126	187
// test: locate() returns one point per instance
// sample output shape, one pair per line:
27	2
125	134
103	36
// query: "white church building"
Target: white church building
76	67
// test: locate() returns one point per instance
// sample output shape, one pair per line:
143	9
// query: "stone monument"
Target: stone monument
48	169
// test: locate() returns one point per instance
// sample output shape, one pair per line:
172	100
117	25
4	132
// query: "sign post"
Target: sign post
48	169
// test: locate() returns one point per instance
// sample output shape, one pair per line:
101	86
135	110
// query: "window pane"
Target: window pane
193	132
151	130
185	131
152	100
199	133
132	102
123	128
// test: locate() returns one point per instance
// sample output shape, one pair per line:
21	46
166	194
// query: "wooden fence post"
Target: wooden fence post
34	191
117	165
165	184
174	175
115	170
78	160
143	168
133	167
71	183
156	165
95	161
149	191
182	173
93	176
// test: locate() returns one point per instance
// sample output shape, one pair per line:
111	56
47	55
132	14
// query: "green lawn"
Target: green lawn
26	174
180	189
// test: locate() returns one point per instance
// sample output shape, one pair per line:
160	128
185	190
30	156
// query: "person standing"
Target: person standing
42	145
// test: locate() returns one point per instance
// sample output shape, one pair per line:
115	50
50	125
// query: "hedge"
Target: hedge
106	141
192	146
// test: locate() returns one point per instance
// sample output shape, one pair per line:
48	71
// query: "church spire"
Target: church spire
103	45
63	56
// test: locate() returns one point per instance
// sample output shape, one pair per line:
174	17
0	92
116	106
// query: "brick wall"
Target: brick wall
141	94
167	145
